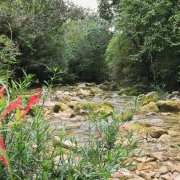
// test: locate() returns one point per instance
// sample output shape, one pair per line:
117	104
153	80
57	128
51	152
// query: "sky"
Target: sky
86	3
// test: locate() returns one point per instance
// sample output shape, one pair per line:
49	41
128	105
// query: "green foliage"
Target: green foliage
151	30
31	154
85	44
35	26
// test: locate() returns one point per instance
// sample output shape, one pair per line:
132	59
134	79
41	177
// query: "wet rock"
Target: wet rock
156	132
157	156
168	106
150	107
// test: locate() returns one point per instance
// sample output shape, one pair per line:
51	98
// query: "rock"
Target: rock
150	107
143	123
156	132
153	93
65	114
81	85
156	122
105	109
175	93
176	174
60	107
164	138
163	170
157	155
85	92
122	174
152	174
145	175
140	130
77	118
142	160
149	159
71	126
177	178
66	144
168	106
48	104
72	104
166	177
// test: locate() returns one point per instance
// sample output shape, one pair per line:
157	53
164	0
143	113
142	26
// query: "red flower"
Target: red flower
32	100
123	127
138	113
1	92
38	90
98	132
4	149
121	172
15	104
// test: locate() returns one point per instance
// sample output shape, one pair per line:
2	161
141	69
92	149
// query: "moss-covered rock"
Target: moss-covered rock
169	106
105	110
156	132
104	87
141	130
147	99
60	107
105	103
107	96
151	107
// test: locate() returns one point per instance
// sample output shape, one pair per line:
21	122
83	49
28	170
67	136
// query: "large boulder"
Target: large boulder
156	132
169	106
151	107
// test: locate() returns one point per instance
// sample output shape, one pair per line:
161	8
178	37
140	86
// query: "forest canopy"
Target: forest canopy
143	48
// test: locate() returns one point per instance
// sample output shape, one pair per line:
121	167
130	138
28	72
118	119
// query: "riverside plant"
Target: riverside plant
27	151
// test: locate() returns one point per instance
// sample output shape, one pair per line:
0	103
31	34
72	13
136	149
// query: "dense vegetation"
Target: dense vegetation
142	50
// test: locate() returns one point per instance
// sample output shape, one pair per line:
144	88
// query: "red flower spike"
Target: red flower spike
138	113
34	99
121	173
15	104
98	132
123	127
1	92
4	149
38	90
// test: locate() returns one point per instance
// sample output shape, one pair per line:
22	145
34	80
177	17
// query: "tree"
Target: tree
34	26
85	45
152	27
